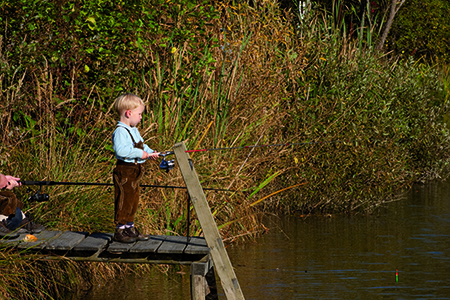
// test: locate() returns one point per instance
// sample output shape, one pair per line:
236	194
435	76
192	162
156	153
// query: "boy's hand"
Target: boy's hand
153	155
145	155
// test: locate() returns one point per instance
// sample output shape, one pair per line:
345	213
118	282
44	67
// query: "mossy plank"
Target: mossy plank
43	238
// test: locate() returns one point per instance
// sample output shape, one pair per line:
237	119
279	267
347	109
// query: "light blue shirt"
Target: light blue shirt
123	144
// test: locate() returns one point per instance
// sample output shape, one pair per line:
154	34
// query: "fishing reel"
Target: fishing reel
166	164
38	196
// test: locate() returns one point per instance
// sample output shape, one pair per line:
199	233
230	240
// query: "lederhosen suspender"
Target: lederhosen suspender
139	145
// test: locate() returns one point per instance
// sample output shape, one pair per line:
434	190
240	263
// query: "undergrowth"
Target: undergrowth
365	126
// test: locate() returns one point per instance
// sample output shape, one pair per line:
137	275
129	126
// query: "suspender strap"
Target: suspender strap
134	142
138	145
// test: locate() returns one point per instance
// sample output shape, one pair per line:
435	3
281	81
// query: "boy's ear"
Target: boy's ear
127	113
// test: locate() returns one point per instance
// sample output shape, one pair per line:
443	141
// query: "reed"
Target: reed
371	125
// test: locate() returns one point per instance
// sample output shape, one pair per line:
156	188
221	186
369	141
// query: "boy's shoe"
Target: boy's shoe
132	231
123	236
29	227
6	233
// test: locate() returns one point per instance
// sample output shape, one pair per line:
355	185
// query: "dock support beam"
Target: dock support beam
219	254
203	281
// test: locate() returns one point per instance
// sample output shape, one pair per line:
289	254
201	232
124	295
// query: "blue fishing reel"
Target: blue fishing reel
166	164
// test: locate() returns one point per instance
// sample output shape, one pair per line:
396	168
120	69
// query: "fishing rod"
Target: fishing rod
41	197
166	165
50	183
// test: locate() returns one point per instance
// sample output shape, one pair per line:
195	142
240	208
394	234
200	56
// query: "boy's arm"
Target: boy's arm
148	150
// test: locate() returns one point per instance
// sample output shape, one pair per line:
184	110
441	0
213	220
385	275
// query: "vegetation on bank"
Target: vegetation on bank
367	126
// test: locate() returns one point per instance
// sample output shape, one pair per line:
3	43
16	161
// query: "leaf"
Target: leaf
264	183
274	193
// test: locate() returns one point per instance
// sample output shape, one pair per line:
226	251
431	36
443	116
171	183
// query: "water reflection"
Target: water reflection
354	257
334	258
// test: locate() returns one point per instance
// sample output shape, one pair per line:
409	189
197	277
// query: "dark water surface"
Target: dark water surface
337	257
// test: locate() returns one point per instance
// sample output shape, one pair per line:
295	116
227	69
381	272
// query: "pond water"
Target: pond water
400	252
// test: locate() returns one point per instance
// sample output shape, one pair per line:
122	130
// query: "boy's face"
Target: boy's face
135	115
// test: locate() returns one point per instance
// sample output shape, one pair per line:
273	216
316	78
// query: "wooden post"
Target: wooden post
199	287
219	254
202	285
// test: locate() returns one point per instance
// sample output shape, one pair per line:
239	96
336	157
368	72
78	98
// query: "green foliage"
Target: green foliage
422	29
95	47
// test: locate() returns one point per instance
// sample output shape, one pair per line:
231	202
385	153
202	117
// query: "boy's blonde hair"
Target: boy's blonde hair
127	101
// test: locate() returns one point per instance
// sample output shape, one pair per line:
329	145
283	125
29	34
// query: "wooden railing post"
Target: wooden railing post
203	281
219	254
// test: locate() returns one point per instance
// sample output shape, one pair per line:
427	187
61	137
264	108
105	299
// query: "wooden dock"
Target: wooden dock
99	247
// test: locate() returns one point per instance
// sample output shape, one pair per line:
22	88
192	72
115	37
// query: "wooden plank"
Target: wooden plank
173	245
197	245
12	242
117	247
149	246
94	242
219	254
44	238
66	241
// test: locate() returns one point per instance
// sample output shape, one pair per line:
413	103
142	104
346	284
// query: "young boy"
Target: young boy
131	154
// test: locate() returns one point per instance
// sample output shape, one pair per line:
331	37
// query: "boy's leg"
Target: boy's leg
126	189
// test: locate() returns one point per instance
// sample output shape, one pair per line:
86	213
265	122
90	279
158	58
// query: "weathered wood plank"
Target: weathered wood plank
197	245
117	247
173	245
219	254
149	246
44	238
12	242
94	242
66	241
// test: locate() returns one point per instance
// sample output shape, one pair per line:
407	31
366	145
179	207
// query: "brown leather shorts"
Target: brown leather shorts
126	178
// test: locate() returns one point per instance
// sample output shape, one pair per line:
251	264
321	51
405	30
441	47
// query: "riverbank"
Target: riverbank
367	125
